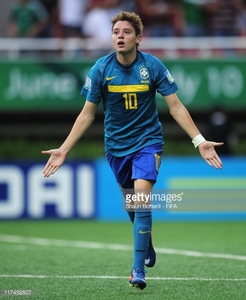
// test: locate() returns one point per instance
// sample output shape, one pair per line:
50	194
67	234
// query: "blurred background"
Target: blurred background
46	50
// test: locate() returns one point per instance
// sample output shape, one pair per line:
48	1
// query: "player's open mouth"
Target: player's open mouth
121	44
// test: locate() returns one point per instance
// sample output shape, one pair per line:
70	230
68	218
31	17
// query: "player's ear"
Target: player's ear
138	39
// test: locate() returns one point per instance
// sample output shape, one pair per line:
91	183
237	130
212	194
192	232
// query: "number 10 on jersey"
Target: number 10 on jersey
131	101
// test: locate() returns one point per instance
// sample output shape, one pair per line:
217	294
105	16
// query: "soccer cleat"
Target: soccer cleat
151	255
137	278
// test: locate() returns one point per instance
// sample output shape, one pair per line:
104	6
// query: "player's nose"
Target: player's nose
121	34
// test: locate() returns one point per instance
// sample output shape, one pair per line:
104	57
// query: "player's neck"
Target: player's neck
126	59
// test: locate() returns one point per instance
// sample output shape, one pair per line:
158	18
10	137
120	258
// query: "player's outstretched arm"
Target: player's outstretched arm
82	123
183	118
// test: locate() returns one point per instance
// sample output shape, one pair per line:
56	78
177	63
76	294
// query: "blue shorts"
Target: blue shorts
143	164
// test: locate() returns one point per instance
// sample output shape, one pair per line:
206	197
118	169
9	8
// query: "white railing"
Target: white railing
13	48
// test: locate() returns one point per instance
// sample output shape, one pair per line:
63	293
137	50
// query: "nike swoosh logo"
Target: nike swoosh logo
110	78
143	232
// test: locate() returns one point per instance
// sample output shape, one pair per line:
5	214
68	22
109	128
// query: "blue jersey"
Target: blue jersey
128	96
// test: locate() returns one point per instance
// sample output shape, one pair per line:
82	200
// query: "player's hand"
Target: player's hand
208	152
57	158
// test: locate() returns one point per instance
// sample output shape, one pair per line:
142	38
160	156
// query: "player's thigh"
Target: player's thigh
146	164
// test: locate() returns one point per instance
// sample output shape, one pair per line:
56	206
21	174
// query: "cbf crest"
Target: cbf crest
144	73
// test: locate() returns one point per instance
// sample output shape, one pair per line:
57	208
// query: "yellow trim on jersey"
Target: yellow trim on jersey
128	88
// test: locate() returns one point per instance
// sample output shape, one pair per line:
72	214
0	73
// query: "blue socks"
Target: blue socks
141	230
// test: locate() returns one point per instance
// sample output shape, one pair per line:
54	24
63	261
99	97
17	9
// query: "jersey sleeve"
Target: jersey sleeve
92	87
164	82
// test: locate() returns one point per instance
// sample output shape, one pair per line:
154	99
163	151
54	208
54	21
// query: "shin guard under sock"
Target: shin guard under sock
141	231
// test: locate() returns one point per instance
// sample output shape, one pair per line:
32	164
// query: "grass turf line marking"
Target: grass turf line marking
94	245
119	277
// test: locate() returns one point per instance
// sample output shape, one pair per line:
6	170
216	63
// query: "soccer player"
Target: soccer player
126	82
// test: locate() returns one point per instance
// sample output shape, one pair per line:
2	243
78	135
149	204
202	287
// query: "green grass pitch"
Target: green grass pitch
92	260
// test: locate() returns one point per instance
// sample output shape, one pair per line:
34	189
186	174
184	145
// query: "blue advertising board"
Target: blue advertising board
178	173
69	193
88	190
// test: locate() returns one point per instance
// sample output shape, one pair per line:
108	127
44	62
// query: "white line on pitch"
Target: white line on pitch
119	277
94	245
